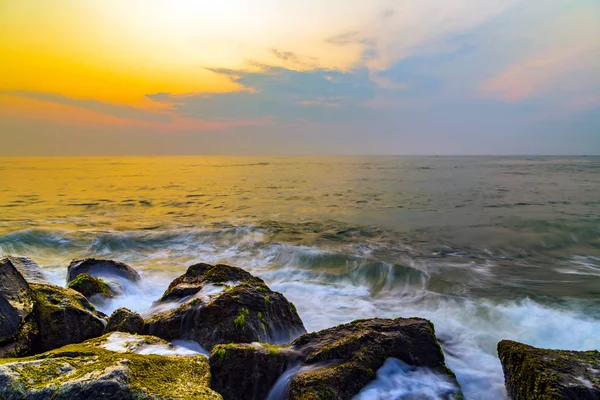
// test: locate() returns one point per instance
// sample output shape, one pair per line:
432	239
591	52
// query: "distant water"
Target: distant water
487	248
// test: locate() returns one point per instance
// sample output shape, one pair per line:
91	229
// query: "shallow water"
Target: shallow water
487	248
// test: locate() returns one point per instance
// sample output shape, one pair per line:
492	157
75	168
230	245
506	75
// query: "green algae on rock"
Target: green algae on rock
63	317
223	304
90	370
89	286
542	374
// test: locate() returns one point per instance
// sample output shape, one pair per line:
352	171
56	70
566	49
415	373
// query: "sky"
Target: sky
283	77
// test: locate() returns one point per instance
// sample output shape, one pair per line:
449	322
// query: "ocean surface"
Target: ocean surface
488	248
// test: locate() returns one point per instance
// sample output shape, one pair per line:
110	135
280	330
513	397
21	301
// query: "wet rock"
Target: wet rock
101	268
248	371
89	286
99	369
63	317
540	374
335	363
352	354
29	269
223	304
17	324
123	320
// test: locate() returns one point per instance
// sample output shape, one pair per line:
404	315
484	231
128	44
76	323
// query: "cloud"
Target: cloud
346	38
280	93
115	110
285	55
560	63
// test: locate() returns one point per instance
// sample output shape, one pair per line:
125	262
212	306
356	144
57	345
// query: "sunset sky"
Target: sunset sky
299	77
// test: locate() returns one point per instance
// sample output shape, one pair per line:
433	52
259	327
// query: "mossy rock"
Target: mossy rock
89	286
63	316
216	307
335	363
541	374
248	371
123	320
101	268
91	371
349	356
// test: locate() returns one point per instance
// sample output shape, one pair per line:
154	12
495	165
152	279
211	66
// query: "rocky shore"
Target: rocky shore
54	344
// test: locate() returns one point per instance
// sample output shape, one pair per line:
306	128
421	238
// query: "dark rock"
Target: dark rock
540	374
90	370
352	354
198	275
223	304
63	317
123	320
29	269
335	363
101	268
89	286
17	324
248	371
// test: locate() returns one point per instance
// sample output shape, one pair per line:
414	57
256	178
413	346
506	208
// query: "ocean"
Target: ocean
488	248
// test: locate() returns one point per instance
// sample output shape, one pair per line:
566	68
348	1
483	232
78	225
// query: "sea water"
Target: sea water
487	248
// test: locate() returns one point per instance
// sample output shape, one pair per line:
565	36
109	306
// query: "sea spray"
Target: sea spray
397	380
282	385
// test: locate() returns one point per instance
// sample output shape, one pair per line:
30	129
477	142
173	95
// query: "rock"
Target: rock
540	374
223	304
89	286
107	369
17	323
335	363
29	269
248	371
63	317
123	320
198	275
101	268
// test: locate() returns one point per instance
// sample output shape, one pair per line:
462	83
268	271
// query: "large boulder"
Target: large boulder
63	316
123	320
29	269
223	304
101	269
17	323
89	286
541	374
335	363
114	367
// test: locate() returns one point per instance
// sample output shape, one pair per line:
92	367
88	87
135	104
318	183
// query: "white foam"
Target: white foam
125	343
397	380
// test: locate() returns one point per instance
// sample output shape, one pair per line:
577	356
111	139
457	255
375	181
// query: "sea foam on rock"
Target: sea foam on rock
90	370
346	359
541	374
213	304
